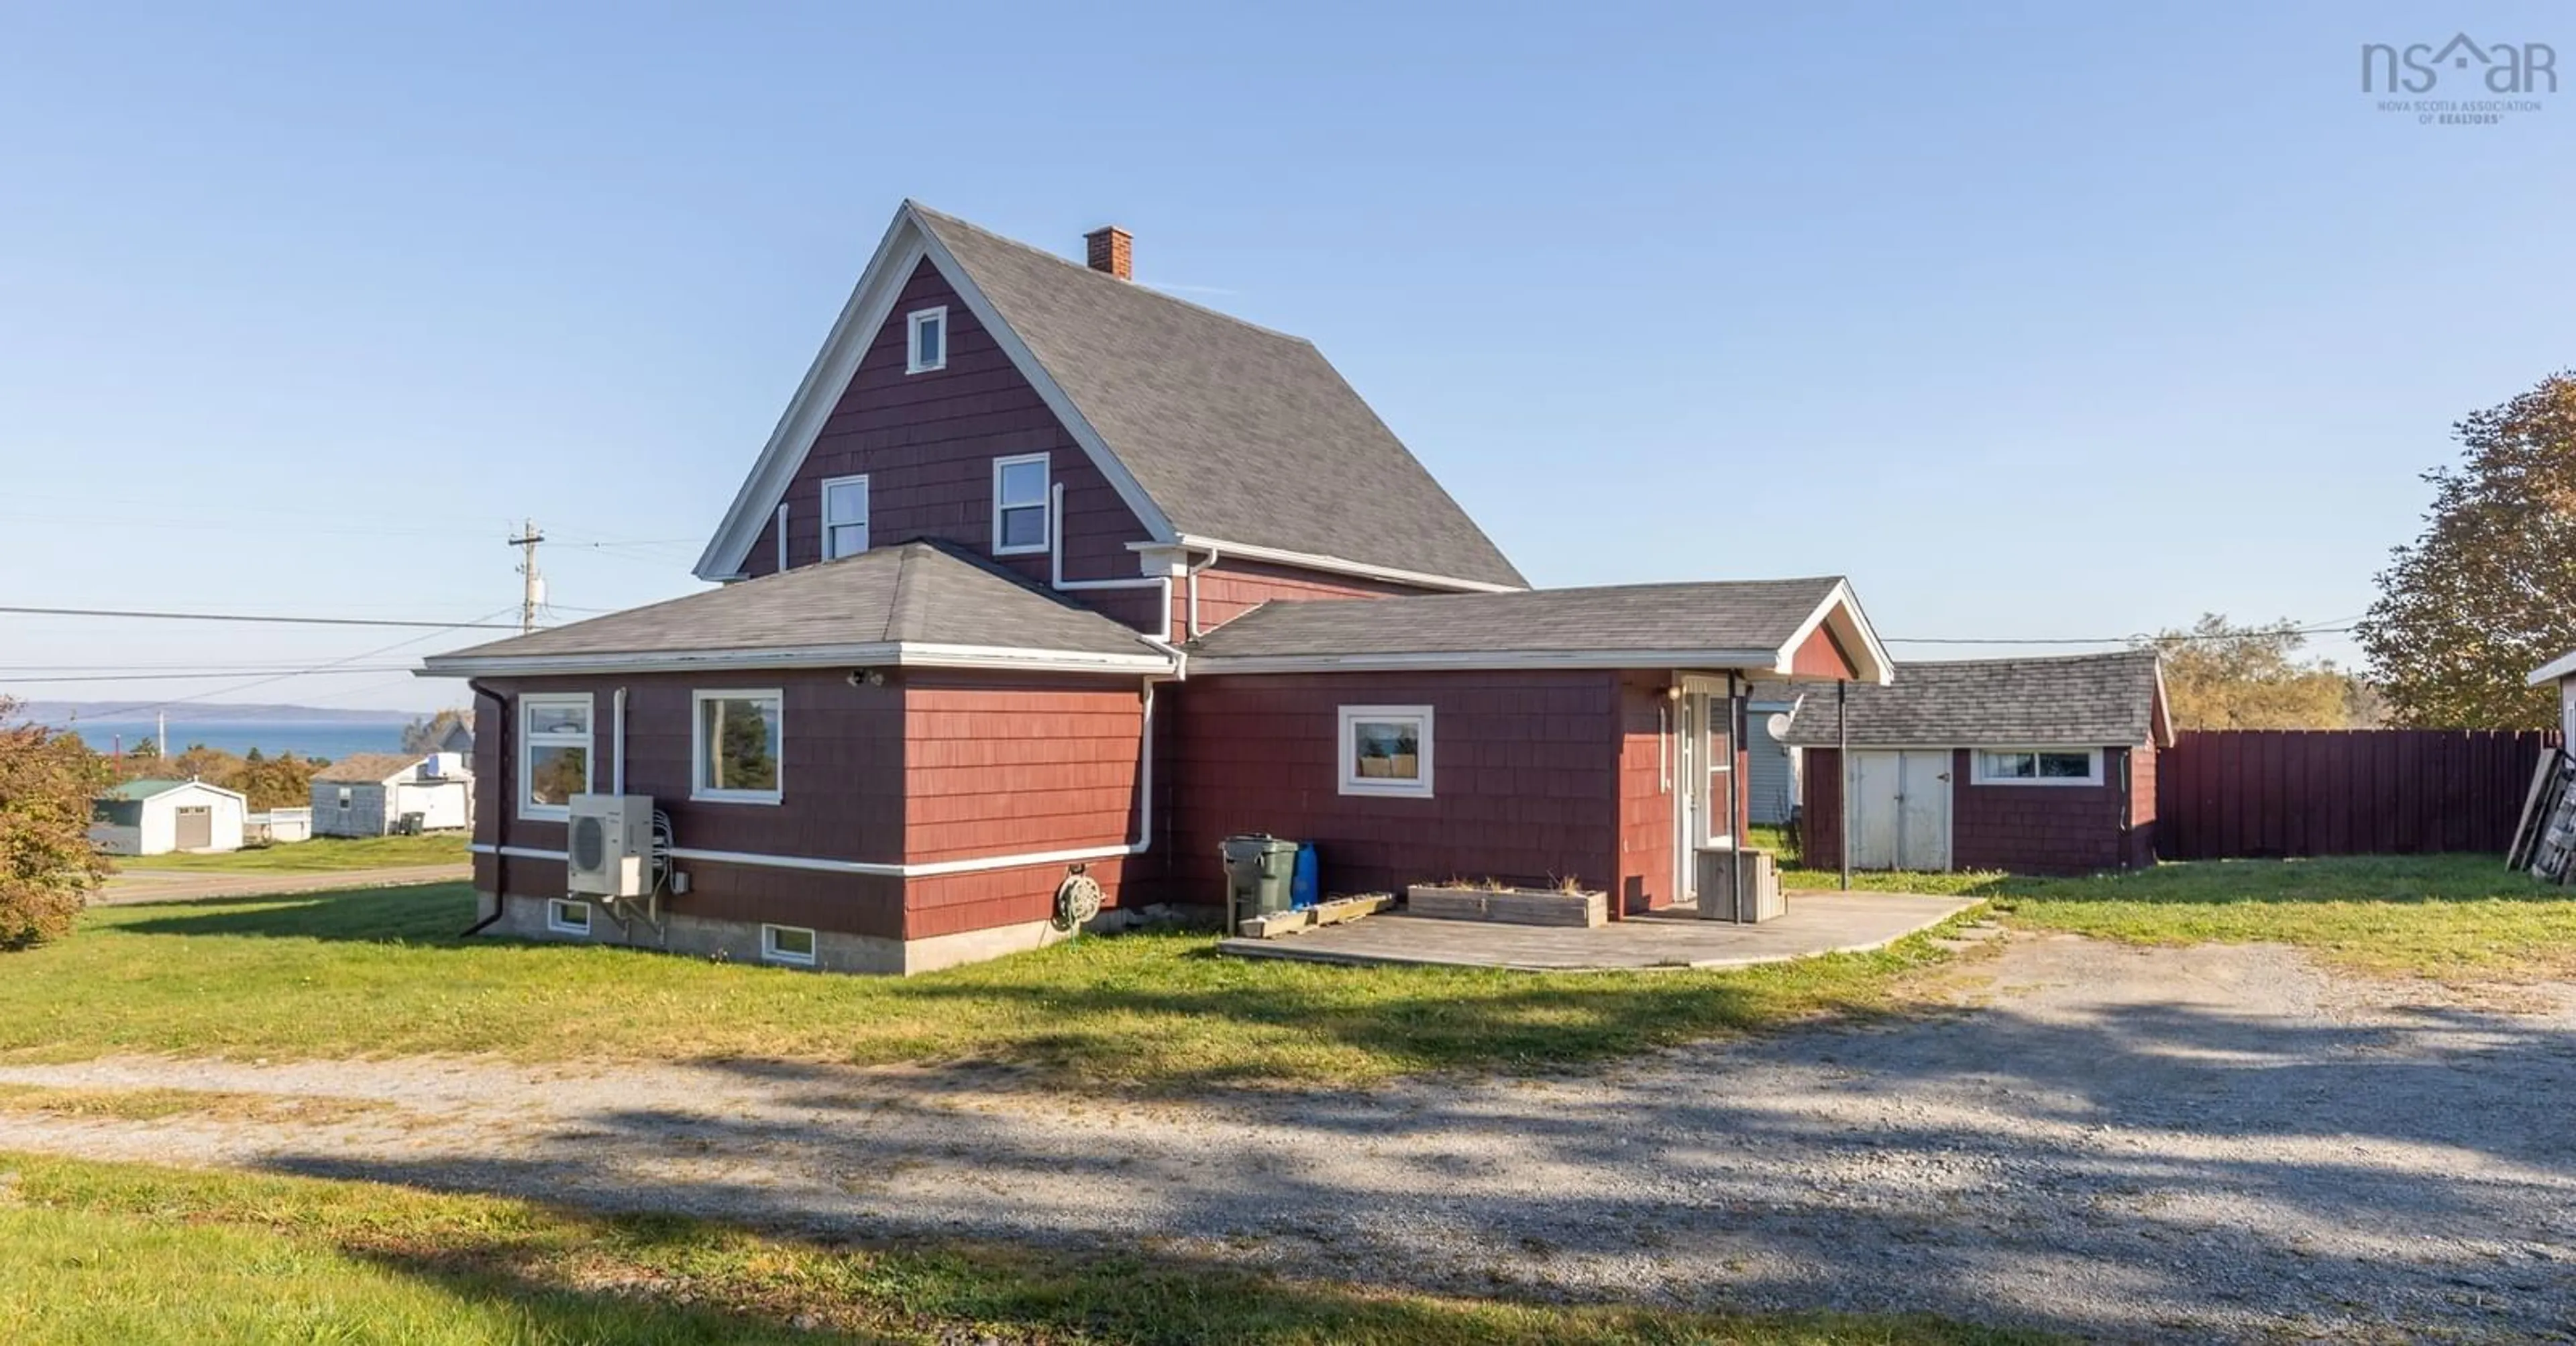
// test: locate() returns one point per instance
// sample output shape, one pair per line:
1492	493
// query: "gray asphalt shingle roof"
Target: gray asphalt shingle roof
1236	432
368	767
915	593
2088	700
1738	615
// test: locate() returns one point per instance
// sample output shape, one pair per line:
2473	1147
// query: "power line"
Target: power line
299	673
48	679
252	617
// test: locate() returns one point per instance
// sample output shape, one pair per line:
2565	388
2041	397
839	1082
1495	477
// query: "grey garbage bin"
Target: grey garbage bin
1257	873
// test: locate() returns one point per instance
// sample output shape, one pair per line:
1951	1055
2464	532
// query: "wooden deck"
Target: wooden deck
1817	922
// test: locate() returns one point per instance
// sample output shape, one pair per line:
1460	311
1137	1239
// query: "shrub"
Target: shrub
47	864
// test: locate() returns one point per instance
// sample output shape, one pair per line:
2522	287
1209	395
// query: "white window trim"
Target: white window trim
771	953
912	362
1045	504
556	906
1353	783
1977	768
698	788
530	742
867	496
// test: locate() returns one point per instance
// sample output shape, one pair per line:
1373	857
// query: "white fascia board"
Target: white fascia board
871	305
2562	667
1738	660
1876	666
912	654
870	301
1242	551
1026	361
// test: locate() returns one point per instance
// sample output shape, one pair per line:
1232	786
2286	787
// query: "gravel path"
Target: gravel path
2204	1143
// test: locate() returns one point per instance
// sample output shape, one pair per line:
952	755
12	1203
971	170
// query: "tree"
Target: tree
424	735
2219	676
48	781
2488	591
281	782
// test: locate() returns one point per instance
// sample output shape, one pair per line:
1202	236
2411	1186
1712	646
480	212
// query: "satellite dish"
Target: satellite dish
1777	725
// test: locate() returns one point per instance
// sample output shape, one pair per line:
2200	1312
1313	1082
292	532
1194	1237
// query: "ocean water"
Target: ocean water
240	736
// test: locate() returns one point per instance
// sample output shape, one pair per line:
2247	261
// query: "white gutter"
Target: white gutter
930	869
876	654
1773	661
1334	564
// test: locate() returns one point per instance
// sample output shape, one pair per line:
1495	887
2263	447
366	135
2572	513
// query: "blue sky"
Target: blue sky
2036	320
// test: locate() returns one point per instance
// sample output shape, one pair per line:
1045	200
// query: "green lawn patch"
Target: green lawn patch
318	856
123	1253
2459	918
383	972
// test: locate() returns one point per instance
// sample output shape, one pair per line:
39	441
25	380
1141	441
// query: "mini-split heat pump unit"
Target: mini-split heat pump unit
611	846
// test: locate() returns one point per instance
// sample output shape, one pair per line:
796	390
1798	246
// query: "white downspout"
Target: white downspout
1191	573
617	742
1055	571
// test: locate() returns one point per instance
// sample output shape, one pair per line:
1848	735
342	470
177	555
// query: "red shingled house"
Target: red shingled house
1028	587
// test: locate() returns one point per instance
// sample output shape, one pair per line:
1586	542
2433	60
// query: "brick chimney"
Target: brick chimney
1110	248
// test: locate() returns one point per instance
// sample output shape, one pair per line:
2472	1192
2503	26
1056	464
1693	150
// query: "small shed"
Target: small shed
2044	765
1771	774
367	794
2562	671
155	817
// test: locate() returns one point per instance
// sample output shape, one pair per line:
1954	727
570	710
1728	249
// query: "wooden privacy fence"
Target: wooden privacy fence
2264	792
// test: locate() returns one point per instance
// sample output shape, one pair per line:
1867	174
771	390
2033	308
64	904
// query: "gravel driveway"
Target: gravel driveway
2203	1143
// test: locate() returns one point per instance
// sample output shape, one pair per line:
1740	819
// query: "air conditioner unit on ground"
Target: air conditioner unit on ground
611	845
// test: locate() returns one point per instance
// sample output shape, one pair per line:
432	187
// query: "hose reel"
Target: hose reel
1077	899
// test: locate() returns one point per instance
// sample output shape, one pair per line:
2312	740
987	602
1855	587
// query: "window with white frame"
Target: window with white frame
567	917
787	944
926	340
347	797
554	752
736	743
845	517
1386	750
2038	766
1020	488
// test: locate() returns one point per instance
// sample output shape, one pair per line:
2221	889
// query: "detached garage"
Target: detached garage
154	817
2044	766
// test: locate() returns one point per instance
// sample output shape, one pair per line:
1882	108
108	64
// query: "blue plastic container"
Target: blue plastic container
1303	885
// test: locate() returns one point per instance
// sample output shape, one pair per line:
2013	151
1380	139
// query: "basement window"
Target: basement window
567	917
1386	750
787	944
926	340
2038	766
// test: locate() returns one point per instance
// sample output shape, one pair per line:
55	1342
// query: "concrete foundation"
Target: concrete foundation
524	917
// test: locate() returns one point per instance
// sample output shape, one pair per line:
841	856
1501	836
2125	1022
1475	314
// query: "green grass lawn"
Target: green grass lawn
126	1254
2458	918
320	855
383	972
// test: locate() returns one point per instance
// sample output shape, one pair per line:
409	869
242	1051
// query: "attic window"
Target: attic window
926	344
1020	489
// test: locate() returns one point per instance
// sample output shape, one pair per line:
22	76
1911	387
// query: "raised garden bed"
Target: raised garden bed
1507	906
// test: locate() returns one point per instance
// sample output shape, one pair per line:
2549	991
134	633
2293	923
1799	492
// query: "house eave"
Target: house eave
2555	670
1336	565
1769	661
879	654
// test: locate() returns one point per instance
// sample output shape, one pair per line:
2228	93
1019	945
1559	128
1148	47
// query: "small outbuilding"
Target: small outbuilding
2562	672
155	817
2041	765
368	794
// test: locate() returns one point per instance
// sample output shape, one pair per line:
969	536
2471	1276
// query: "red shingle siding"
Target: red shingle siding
1526	779
1645	803
1822	656
926	443
1229	589
842	797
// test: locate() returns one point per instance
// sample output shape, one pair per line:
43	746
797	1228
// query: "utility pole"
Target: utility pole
532	586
